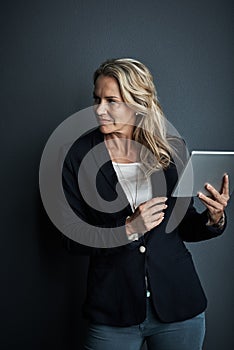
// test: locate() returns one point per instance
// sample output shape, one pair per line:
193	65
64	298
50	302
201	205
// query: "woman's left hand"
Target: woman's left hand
218	201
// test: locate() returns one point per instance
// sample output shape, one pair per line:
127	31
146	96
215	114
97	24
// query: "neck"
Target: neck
121	148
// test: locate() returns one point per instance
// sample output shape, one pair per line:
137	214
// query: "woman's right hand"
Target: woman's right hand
147	216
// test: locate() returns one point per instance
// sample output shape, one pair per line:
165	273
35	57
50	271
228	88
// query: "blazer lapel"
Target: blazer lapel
163	182
106	176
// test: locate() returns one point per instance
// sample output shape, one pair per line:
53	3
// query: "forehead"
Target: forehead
107	85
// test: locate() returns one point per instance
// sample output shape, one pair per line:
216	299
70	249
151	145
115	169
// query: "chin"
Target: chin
106	129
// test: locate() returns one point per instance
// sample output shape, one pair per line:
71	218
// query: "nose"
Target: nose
100	108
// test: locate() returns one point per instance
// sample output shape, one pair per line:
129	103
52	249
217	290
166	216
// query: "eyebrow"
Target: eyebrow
94	95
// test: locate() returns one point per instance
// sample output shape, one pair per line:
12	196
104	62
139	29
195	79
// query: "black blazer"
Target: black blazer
116	290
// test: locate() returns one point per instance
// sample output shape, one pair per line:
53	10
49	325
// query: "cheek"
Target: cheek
130	118
124	116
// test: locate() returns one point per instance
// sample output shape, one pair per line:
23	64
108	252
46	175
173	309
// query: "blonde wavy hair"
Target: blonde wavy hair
138	90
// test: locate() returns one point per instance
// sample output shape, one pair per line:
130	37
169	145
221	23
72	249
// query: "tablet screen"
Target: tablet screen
205	167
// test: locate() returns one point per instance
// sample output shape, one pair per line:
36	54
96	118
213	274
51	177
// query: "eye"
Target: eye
111	101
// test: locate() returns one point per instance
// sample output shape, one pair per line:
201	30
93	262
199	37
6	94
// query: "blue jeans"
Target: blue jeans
185	335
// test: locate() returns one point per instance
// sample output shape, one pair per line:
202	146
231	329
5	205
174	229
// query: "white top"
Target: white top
136	185
138	189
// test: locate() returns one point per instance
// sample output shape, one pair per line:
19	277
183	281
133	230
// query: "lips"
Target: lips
104	121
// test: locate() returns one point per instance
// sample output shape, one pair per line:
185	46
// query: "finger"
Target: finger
152	202
225	186
156	201
155	223
220	198
213	210
213	191
153	213
159	220
156	209
157	216
159	209
207	201
151	219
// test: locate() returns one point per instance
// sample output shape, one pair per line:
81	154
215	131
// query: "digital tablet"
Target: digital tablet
205	167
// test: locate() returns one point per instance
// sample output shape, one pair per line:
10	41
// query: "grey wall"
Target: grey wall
49	50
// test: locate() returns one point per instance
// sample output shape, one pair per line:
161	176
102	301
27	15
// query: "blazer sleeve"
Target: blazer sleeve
86	235
194	228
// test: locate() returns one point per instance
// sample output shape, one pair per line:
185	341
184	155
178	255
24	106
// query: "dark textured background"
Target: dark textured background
49	50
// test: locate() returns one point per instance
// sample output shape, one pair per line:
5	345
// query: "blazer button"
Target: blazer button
142	249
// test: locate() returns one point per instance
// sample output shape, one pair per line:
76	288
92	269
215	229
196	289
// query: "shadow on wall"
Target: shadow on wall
63	283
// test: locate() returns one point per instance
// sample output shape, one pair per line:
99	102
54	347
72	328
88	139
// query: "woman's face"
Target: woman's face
113	115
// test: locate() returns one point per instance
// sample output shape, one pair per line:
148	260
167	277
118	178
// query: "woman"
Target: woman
148	289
